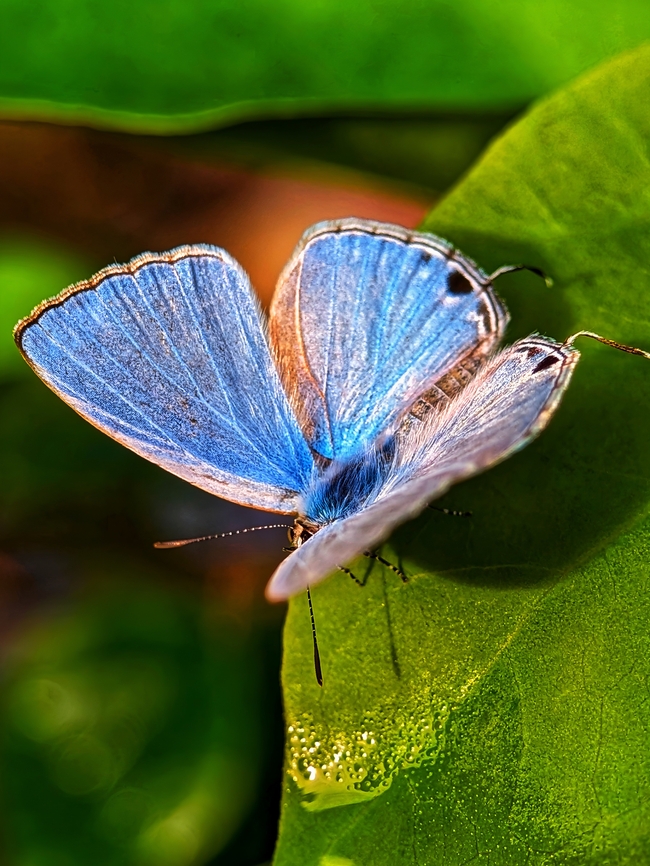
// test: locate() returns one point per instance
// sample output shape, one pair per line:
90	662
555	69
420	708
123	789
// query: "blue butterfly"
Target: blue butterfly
374	386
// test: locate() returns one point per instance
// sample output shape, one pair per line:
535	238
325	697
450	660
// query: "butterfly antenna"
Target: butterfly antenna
631	349
451	512
317	668
164	545
508	269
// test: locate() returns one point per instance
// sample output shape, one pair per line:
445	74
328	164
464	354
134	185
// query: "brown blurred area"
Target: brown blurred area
106	197
112	196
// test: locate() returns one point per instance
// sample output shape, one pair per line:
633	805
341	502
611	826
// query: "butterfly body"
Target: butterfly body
348	486
375	385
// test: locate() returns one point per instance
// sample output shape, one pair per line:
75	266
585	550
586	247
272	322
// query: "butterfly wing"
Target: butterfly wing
168	355
365	318
511	400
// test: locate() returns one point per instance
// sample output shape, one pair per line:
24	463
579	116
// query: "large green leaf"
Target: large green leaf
495	708
177	66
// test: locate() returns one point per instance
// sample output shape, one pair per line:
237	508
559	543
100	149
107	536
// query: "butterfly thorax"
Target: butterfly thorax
347	486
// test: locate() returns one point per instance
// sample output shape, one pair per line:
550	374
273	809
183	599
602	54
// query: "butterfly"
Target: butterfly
374	386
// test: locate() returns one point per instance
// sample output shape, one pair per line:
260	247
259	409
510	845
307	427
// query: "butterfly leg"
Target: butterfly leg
350	574
372	554
318	670
450	511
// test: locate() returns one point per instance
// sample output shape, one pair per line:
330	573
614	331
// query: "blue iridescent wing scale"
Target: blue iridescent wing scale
168	355
366	317
509	402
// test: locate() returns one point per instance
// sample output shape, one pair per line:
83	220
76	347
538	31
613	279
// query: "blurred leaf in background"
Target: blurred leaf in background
425	154
134	720
29	271
174	66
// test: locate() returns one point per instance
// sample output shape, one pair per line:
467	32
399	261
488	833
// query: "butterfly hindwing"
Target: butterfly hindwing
168	355
510	401
366	316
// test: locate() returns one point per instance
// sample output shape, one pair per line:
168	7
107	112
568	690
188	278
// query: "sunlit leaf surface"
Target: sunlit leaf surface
495	709
177	66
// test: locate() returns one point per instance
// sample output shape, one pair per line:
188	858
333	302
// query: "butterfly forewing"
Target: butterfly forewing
365	318
511	400
168	355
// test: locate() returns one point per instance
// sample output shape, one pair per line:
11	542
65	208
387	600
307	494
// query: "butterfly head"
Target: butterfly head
300	531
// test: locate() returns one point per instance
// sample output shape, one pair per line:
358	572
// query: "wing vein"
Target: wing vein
226	419
136	409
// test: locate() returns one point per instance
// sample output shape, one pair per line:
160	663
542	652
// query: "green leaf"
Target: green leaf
495	708
30	270
176	66
129	736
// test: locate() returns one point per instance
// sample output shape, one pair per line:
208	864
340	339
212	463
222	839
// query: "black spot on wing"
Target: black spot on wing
547	362
458	284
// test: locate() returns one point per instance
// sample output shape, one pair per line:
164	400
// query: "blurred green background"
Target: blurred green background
140	715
